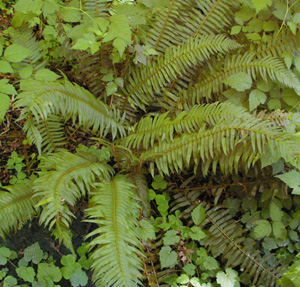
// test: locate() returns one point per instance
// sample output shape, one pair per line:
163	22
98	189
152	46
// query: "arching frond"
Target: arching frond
161	127
144	83
225	144
64	178
42	99
115	258
268	67
16	206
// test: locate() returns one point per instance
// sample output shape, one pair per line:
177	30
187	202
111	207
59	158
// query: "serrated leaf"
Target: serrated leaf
275	211
16	53
228	279
168	257
146	230
261	4
26	273
279	230
79	278
256	98
33	253
189	269
26	72
171	238
197	233
262	229
240	81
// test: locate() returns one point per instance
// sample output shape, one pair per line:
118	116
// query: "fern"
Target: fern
115	258
16	206
65	178
143	83
96	8
268	68
151	130
41	100
241	138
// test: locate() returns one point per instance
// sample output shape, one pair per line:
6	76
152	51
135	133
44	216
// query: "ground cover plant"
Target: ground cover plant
170	128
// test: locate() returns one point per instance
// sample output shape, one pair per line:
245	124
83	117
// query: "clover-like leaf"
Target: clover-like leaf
168	257
33	253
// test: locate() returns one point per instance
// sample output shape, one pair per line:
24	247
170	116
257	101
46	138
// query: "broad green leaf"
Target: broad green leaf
81	44
10	281
26	72
146	230
183	279
7	88
256	98
275	210
16	53
197	233
279	230
168	257
49	271
70	12
26	273
171	238
4	254
261	4
46	75
120	45
198	214
5	67
240	81
33	253
195	282
111	88
262	229
228	279
189	269
274	104
235	30
297	62
79	278
292	179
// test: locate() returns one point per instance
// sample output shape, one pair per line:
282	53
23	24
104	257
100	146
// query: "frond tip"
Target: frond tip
114	209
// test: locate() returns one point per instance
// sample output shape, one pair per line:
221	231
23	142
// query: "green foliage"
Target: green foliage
168	89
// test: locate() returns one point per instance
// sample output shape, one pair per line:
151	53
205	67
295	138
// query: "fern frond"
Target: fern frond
161	127
42	99
16	206
220	225
276	45
114	209
64	178
166	30
227	143
268	67
144	83
209	17
96	8
49	133
25	38
279	118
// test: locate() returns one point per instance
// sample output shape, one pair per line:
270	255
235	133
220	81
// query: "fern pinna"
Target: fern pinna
177	98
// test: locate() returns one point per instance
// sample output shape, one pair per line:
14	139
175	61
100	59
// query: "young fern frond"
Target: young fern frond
144	83
65	178
242	138
268	68
16	206
42	99
161	127
115	258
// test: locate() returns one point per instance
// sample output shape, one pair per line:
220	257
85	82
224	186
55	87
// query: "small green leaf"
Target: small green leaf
111	88
26	273
171	237
228	279
46	75
5	67
240	81
256	98
16	53
183	279
279	230
168	258
197	233
26	72
33	253
198	214
10	281
262	229
235	30
146	230
79	278
292	179
4	105
189	269
261	4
